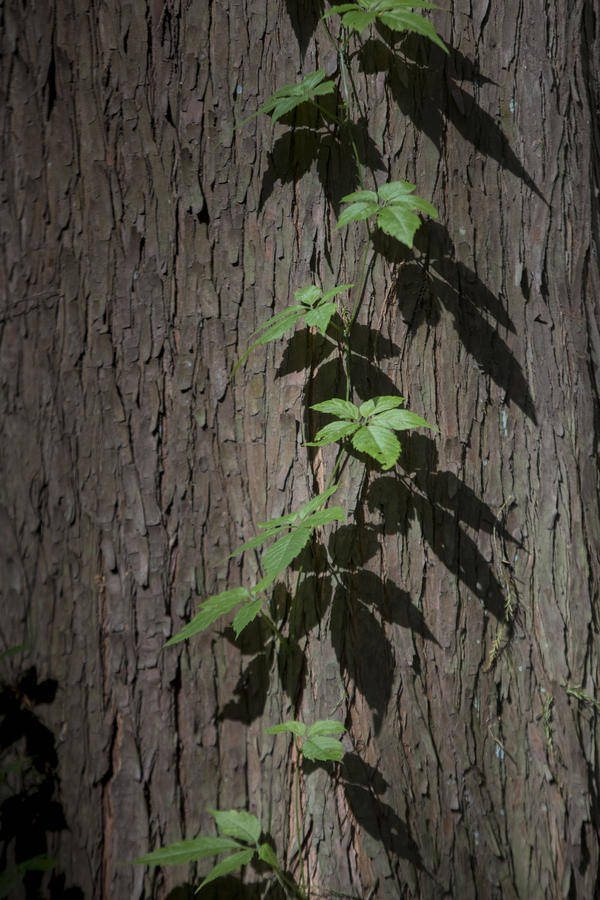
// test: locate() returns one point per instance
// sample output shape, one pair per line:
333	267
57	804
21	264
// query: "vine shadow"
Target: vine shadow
442	504
416	74
362	786
304	16
435	282
29	814
308	143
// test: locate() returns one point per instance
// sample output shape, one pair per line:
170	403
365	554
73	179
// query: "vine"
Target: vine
370	429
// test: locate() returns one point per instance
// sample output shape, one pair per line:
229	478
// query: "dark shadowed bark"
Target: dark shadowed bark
143	240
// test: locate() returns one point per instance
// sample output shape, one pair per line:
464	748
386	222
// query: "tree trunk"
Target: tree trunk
143	242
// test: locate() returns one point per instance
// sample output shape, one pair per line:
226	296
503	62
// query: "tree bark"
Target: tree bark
144	240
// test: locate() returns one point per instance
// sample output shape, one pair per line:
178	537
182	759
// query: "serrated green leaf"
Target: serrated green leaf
334	291
267	854
343	409
279	522
246	614
183	852
325	516
358	21
284	551
408	21
230	864
307	295
237	824
400	420
325	726
317	502
256	541
337	10
378	442
399	223
323	748
211	610
361	197
291	727
379	404
333	432
356	212
11	651
321	316
274	332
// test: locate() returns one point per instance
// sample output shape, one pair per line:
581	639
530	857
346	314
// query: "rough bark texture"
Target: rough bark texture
142	242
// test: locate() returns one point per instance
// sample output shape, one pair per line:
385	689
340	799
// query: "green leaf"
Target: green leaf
325	726
323	748
183	852
317	502
333	292
256	541
378	442
308	295
285	550
321	316
237	824
379	404
356	212
291	95
293	727
11	651
228	865
246	614
400	420
333	432
325	516
399	223
408	21
343	409
266	853
211	610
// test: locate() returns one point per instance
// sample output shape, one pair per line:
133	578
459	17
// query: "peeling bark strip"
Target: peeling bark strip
142	242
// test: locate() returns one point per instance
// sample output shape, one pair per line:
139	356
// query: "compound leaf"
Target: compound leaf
325	726
266	853
321	316
400	420
237	824
229	864
323	748
211	610
285	550
183	852
343	409
378	442
246	614
379	404
333	432
292	726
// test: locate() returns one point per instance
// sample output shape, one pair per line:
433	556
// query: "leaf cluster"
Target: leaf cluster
392	205
371	426
313	304
290	535
240	832
316	742
291	95
396	14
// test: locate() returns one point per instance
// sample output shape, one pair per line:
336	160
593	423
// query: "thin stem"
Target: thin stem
299	817
326	112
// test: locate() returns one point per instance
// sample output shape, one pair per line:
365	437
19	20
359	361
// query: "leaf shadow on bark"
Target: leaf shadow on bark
426	286
306	144
28	816
363	605
301	611
304	16
414	81
442	504
363	784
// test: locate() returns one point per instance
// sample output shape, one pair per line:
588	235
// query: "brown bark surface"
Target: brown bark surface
143	240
